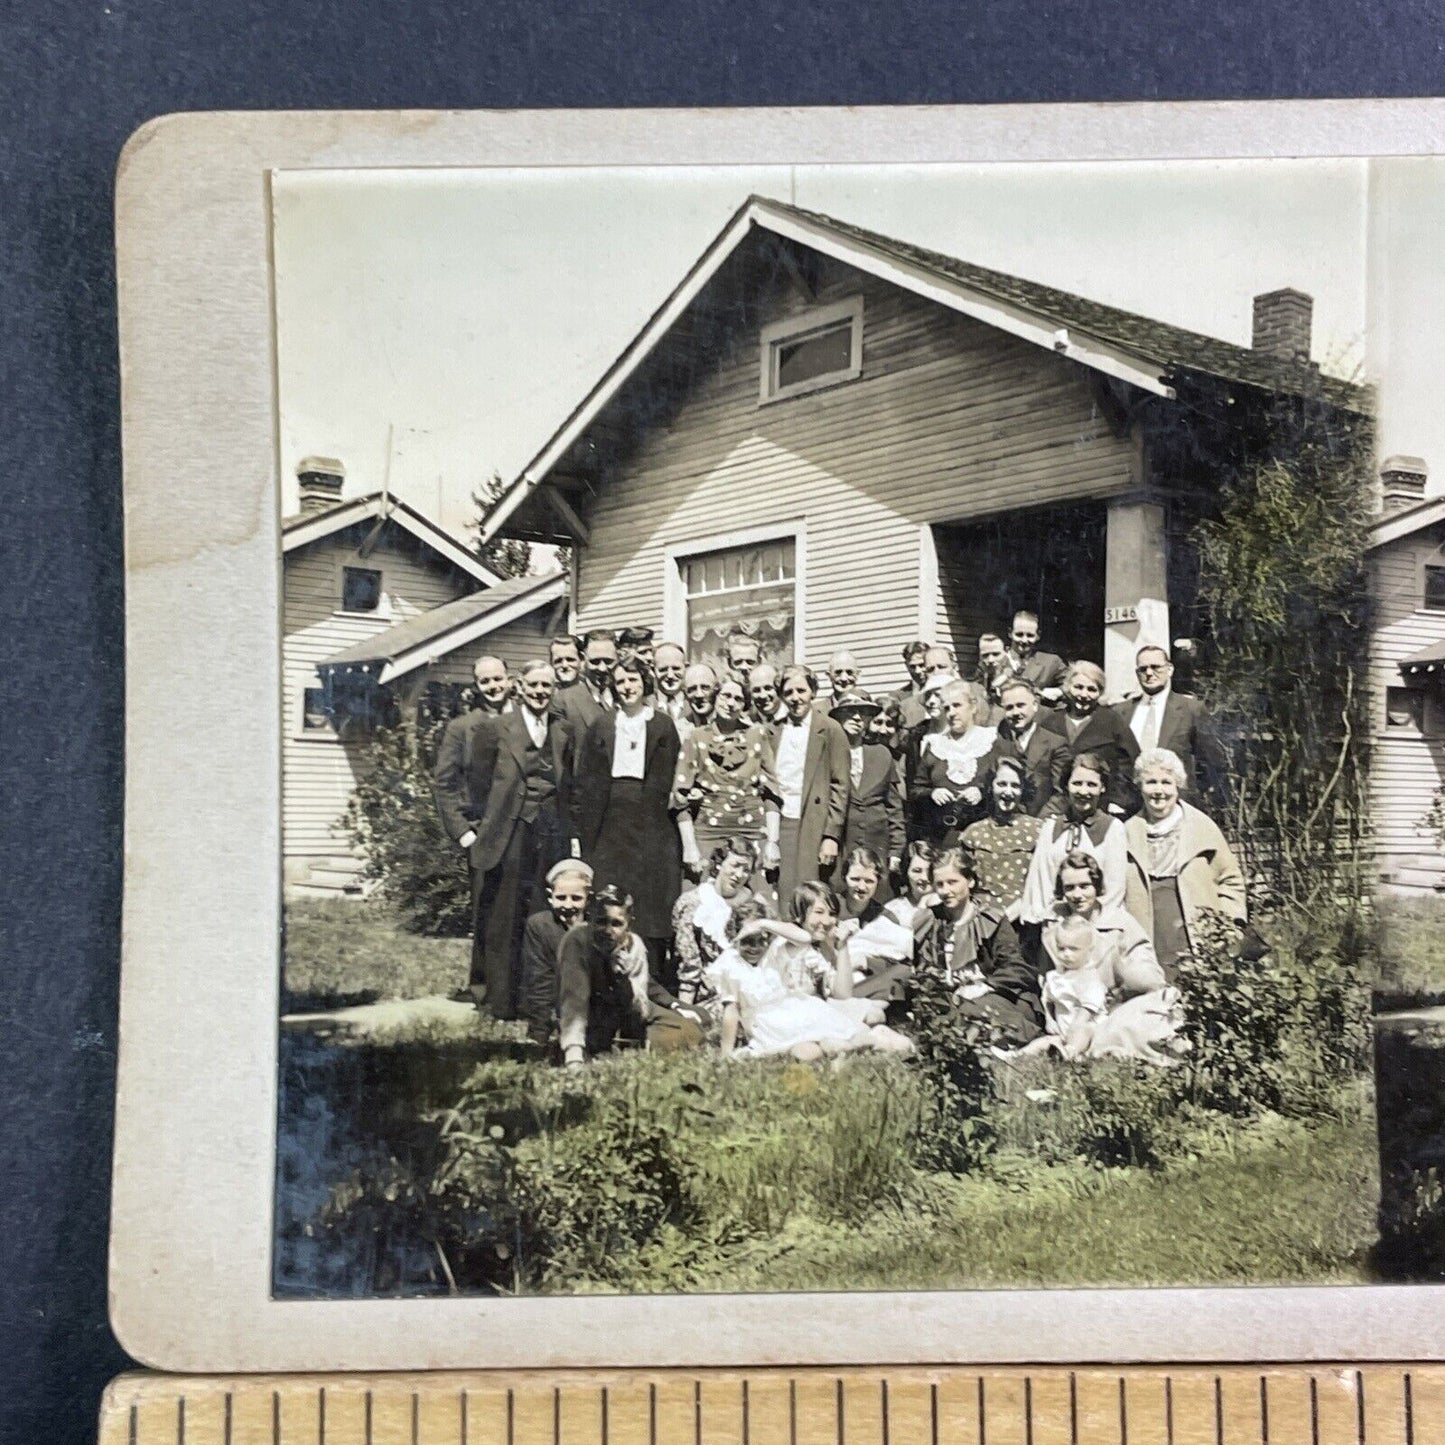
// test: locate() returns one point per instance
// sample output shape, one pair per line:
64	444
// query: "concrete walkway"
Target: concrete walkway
437	1016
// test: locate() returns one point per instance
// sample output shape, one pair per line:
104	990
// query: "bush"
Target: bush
392	821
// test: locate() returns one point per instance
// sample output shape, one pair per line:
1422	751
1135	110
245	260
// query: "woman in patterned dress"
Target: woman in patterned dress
724	786
1002	844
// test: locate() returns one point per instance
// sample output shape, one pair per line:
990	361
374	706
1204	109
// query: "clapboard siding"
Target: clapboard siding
1406	769
319	772
950	420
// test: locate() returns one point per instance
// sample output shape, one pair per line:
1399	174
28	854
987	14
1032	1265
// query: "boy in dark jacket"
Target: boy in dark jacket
569	885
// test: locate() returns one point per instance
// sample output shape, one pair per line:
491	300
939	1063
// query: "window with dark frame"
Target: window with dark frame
1435	589
360	589
1404	709
314	717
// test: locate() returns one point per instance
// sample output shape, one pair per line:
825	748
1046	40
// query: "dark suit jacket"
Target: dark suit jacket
451	785
1187	730
577	705
875	806
1044	669
1044	761
594	773
497	780
1107	735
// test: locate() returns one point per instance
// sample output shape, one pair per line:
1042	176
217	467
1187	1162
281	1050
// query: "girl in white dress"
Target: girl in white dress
769	979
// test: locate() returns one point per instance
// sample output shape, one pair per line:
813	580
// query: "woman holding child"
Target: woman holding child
1179	865
1104	994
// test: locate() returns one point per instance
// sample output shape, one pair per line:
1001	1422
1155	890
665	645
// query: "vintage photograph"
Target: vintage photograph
858	728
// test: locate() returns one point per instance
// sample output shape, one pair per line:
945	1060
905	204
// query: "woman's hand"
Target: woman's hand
828	853
972	796
943	796
772	854
692	860
846	929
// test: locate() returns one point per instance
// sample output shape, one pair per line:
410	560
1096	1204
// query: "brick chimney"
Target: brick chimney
320	479
1282	322
1402	482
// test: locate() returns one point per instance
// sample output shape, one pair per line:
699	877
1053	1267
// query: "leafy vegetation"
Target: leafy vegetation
1412	956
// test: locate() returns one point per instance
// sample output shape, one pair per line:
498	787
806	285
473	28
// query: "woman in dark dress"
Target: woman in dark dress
626	762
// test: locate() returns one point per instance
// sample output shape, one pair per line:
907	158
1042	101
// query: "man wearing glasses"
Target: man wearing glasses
1159	717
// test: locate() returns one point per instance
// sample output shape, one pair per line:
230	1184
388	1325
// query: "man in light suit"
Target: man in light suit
518	786
1159	717
812	773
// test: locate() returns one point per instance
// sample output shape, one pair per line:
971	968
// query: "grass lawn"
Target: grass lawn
350	951
784	1154
1412	952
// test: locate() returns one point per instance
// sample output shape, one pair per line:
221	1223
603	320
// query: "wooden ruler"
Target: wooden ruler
1159	1405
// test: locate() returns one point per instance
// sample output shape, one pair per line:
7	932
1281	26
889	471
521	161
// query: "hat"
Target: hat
634	637
855	700
570	865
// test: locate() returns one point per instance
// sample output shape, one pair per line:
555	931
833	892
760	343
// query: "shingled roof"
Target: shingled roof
422	639
1172	347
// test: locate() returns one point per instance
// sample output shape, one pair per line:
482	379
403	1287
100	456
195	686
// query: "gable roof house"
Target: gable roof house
380	606
1407	768
828	437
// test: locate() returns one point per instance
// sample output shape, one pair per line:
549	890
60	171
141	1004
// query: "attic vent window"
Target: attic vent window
360	589
817	348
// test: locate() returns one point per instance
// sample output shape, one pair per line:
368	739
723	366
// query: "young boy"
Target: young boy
569	885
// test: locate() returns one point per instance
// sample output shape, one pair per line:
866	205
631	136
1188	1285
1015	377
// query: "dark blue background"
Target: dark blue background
75	80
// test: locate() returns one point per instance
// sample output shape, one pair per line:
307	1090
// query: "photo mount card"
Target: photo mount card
801	377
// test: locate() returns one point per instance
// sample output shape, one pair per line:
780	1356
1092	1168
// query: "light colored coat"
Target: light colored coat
1209	875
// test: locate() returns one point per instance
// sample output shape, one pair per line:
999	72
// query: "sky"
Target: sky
436	326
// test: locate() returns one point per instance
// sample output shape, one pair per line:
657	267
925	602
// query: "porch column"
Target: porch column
1136	588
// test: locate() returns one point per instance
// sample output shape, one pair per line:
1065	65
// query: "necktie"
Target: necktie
1149	736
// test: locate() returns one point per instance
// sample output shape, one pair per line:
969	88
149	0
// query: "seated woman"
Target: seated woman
1179	865
913	884
768	980
947	786
606	997
872	944
1142	1015
1084	826
1003	843
968	945
700	916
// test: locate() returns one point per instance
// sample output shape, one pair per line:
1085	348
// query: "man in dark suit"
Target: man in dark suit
811	753
519	786
582	703
1044	754
449	776
1023	658
1159	717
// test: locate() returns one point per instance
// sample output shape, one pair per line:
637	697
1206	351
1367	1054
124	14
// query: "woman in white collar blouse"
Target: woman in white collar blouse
626	762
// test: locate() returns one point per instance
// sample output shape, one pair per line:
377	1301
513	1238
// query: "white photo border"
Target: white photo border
191	1242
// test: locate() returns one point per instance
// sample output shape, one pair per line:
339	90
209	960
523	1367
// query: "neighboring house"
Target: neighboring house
829	437
379	604
1407	577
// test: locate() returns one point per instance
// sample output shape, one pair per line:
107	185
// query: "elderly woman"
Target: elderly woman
1003	843
947	787
1180	867
1088	728
700	916
626	763
724	786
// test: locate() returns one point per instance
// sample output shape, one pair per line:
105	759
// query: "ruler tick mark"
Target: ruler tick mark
838	1407
368	1417
134	1424
1123	1415
1218	1411
1264	1410
882	1408
933	1413
1073	1408
745	1412
1169	1409
1360	1405
1028	1410
415	1418
181	1421
321	1416
276	1417
982	1416
1409	1410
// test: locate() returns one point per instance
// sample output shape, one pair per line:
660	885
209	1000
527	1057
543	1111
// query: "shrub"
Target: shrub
392	821
959	1134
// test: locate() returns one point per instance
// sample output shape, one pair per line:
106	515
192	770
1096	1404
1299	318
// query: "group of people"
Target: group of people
669	853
